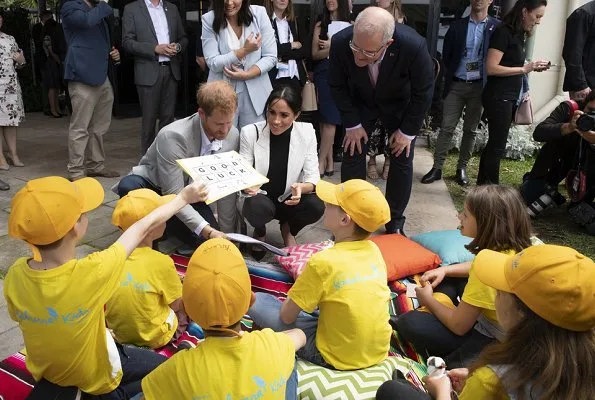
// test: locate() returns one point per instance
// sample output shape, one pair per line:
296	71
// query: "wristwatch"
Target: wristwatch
178	47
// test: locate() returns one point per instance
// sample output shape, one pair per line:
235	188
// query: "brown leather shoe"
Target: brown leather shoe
104	173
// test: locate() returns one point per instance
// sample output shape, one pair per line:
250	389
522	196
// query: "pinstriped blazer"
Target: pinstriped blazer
302	165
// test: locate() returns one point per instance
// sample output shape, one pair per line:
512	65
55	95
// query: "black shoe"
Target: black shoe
391	228
257	253
338	156
435	174
4	185
461	177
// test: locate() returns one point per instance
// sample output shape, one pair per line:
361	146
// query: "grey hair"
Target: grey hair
373	20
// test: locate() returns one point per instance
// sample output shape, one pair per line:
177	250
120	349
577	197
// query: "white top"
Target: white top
285	36
233	42
159	20
336	26
206	146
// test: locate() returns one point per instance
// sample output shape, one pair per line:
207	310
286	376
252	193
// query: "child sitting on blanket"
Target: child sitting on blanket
545	302
347	282
146	310
58	300
229	364
496	218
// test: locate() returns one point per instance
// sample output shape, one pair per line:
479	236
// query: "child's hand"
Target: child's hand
424	293
458	376
434	276
196	192
438	387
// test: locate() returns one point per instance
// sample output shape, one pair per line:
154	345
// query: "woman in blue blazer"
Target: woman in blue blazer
239	47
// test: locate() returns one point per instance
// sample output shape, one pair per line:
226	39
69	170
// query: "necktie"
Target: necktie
373	71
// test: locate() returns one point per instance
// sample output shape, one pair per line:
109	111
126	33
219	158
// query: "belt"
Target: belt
455	79
164	63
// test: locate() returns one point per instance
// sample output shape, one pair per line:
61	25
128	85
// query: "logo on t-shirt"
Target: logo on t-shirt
264	387
142	287
357	278
53	318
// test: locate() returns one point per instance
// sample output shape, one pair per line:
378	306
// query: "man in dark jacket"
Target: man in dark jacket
559	155
464	54
579	52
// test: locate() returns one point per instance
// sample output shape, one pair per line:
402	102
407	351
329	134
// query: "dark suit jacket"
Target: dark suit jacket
139	39
301	34
403	91
88	41
454	48
579	49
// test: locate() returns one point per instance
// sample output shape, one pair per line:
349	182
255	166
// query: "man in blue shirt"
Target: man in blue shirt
465	50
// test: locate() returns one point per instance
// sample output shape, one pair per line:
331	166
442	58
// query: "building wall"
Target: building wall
546	87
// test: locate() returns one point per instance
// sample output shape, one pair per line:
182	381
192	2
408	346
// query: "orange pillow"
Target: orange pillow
404	257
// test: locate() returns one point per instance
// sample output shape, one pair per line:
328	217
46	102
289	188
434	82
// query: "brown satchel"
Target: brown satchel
524	112
309	98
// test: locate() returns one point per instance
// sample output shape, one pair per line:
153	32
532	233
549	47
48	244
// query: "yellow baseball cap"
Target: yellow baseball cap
362	201
46	209
136	205
556	282
217	289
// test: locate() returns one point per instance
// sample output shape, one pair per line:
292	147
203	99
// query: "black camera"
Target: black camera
550	198
586	122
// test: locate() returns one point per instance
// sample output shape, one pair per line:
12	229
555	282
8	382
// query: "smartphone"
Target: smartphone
323	36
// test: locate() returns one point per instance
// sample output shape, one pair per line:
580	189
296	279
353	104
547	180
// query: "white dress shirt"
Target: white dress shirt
159	20
285	36
207	147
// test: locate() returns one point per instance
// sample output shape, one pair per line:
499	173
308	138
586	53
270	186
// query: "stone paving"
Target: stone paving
43	148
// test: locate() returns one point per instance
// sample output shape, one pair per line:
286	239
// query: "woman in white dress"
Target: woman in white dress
12	111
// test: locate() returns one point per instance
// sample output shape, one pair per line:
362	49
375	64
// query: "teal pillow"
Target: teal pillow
449	245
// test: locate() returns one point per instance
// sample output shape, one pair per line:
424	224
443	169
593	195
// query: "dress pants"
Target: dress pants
499	113
260	210
462	96
398	184
90	120
157	102
174	226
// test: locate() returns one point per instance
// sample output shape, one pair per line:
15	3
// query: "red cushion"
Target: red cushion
404	257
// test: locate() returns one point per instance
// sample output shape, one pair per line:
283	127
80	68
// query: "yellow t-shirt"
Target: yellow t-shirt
348	283
483	384
139	312
61	314
480	295
255	366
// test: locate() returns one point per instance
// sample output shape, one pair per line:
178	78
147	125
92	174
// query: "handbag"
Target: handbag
576	180
309	99
524	112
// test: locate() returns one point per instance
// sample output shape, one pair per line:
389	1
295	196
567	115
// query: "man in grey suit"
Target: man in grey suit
209	131
153	33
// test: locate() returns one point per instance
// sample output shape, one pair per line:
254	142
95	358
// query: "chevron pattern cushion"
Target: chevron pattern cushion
299	255
318	383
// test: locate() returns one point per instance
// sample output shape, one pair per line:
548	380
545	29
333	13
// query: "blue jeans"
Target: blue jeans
265	313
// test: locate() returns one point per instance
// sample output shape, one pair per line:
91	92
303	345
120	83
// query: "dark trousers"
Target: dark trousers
136	364
431	338
400	389
174	226
260	210
398	184
499	114
157	102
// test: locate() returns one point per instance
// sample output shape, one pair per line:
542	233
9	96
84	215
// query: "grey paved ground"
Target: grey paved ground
43	147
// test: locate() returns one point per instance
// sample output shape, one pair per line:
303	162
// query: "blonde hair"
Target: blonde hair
288	13
217	95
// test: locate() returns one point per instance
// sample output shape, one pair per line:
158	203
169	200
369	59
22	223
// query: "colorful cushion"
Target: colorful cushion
318	383
299	255
404	257
449	245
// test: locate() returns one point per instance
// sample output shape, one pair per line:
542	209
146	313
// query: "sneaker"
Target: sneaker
104	173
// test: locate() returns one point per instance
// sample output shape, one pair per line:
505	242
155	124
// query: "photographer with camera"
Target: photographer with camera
568	153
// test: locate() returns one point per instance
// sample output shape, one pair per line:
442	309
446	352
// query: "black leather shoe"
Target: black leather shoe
4	185
435	174
461	177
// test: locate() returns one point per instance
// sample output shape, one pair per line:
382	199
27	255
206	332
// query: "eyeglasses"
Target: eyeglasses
369	54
